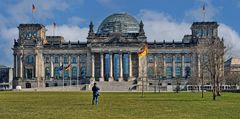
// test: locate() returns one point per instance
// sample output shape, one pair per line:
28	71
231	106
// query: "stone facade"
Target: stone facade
110	54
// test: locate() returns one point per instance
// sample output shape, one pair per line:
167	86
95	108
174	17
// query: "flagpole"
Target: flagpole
63	79
204	11
33	10
54	28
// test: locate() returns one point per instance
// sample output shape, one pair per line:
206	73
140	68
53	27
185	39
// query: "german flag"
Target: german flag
45	41
143	51
33	8
68	67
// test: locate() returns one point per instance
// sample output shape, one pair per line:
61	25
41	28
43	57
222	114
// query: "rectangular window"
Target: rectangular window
169	71
178	71
83	58
169	59
74	60
56	60
178	59
187	59
65	60
150	58
160	59
47	60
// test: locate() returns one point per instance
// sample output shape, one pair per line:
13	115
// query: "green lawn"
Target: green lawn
77	105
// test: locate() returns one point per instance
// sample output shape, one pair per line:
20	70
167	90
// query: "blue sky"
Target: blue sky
164	19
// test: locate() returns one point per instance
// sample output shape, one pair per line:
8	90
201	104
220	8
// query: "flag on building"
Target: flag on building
68	67
54	28
203	8
33	8
143	51
45	41
60	69
54	24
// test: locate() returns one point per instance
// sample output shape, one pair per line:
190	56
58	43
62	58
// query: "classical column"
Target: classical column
130	65
183	65
21	66
52	68
102	68
199	65
92	79
15	65
111	67
120	68
36	67
93	66
174	66
155	66
164	65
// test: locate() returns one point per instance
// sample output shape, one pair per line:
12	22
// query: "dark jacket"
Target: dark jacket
95	90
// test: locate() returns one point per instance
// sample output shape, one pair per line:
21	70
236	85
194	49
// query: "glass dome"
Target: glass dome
119	22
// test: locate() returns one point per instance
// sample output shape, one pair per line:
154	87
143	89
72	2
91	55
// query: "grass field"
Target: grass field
77	105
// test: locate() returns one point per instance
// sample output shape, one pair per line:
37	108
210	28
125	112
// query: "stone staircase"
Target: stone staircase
116	86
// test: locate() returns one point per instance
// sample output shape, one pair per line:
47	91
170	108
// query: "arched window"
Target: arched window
150	72
125	66
30	59
47	73
74	73
187	72
82	73
169	71
56	73
66	74
74	60
115	66
106	66
178	71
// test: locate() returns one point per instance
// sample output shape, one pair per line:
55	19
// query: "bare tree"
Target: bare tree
211	53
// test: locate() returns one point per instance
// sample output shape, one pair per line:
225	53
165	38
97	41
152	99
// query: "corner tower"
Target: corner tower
28	56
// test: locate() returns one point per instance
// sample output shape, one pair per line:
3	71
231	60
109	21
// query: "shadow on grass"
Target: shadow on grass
83	104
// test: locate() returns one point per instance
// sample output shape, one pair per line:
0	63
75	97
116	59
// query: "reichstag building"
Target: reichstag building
108	57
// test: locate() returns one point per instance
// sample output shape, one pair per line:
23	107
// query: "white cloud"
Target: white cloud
20	12
7	36
159	26
69	32
231	39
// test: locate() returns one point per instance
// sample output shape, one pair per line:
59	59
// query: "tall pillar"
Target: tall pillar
130	66
36	69
92	79
102	68
199	65
174	66
183	65
164	65
93	66
15	65
120	68
21	66
111	67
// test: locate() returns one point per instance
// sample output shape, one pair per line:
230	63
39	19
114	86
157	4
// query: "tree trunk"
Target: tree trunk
214	88
218	88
